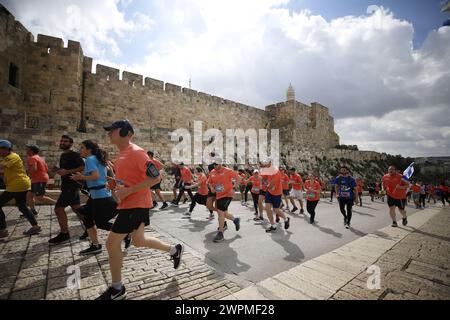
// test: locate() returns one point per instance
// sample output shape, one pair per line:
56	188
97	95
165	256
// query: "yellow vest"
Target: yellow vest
14	174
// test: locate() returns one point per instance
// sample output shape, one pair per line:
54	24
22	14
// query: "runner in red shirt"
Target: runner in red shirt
312	192
395	188
285	182
255	180
297	190
220	181
359	189
242	185
186	180
157	187
38	172
444	193
135	174
202	195
273	195
431	193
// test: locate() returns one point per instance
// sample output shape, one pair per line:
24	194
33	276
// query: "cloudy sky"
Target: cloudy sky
381	66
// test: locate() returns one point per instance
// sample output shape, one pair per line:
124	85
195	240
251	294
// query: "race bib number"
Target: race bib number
255	190
311	194
219	188
345	194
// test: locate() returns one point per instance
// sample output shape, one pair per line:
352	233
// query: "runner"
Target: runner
443	188
70	162
17	185
415	189
135	174
346	191
359	189
186	180
377	190
100	207
273	195
333	188
38	172
177	185
242	185
371	189
255	181
297	190
312	191
220	181
395	188
423	195
157	188
202	195
263	190
431	193
248	186
211	199
286	189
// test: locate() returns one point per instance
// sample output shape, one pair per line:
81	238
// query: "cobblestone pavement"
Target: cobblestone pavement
418	267
31	269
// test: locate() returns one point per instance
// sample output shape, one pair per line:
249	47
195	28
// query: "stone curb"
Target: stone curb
320	278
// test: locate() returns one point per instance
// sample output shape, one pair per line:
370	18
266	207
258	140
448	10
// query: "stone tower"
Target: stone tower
290	93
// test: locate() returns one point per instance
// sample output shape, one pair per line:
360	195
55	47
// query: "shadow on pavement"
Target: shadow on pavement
222	254
295	254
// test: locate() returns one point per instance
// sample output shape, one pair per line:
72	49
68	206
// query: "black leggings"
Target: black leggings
311	208
255	197
422	199
198	198
247	189
444	197
98	212
182	190
333	191
21	203
349	203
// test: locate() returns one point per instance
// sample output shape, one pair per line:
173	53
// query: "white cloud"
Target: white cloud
98	25
384	94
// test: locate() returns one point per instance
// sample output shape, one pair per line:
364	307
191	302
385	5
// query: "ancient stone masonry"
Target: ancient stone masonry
47	89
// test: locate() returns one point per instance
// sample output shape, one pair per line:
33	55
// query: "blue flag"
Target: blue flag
407	174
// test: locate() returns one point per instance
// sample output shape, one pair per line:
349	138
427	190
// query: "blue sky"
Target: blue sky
383	73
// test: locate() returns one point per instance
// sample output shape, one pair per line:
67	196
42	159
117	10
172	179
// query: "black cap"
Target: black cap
34	148
120	124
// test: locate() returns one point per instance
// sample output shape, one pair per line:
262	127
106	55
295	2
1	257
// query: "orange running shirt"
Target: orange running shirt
298	181
415	188
359	186
41	175
390	183
131	168
275	179
285	181
256	184
312	190
203	188
243	176
222	181
186	175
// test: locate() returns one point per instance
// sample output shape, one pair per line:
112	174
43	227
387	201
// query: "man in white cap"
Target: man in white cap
17	186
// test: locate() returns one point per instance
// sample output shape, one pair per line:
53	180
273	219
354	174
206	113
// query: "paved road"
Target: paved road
251	254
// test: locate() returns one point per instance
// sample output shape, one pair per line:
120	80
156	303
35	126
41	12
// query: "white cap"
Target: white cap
256	171
218	160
